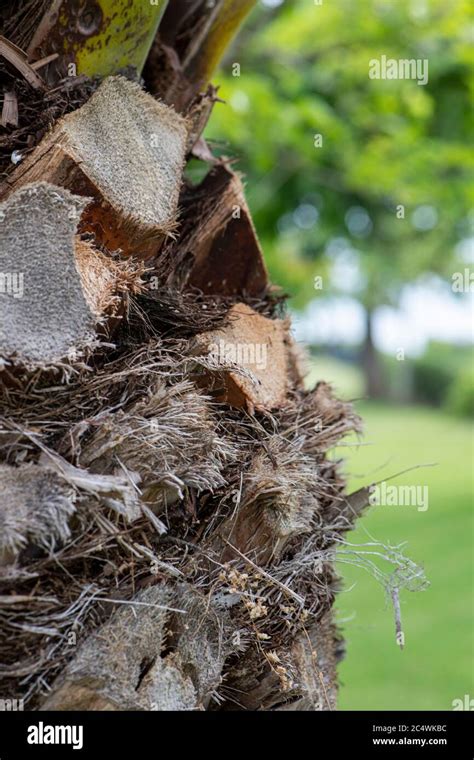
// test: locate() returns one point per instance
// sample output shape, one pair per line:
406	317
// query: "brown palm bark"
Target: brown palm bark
170	511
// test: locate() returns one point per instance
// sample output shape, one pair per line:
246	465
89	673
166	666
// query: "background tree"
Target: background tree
384	188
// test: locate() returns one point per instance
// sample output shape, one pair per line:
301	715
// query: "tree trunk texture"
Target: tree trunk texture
373	370
170	507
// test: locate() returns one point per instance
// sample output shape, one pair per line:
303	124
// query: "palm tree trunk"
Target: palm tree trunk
169	513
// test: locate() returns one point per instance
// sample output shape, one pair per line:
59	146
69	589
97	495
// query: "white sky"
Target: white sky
425	314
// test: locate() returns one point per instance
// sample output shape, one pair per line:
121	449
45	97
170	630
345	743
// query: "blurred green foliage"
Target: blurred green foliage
461	393
436	372
385	143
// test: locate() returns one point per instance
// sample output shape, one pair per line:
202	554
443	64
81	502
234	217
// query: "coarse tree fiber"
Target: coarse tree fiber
171	503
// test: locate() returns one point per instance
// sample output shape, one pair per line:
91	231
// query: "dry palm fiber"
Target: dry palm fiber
37	113
131	165
20	18
261	459
181	553
217	229
36	507
173	489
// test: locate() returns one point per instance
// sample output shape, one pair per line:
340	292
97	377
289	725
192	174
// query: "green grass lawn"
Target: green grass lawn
436	665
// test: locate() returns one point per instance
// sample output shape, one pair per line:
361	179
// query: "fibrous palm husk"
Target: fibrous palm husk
163	547
241	510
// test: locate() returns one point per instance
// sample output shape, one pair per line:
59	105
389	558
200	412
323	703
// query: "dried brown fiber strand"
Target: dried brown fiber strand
20	18
36	506
37	112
